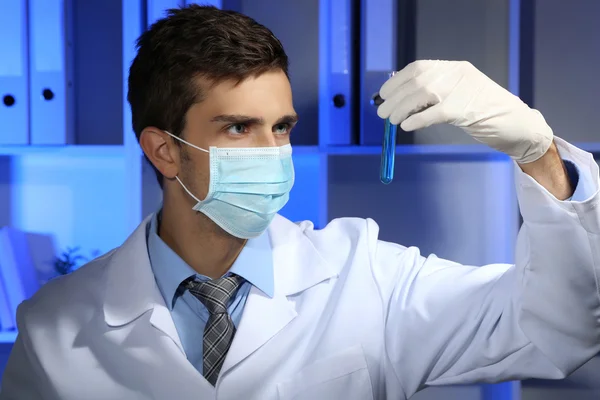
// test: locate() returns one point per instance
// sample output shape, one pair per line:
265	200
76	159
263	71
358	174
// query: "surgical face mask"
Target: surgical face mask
248	186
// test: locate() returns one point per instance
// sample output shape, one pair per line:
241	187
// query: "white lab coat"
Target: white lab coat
353	317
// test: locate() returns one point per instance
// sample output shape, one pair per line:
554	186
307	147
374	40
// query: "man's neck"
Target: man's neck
203	245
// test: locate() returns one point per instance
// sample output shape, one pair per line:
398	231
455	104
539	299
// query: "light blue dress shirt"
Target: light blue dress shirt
254	264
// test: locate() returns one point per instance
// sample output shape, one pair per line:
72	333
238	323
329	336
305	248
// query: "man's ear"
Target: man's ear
161	151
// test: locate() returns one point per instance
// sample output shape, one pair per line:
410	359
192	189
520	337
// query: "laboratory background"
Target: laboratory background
74	183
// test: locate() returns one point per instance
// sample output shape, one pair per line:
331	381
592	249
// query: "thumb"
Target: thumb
430	116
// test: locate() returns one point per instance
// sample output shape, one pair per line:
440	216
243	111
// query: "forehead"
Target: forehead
265	94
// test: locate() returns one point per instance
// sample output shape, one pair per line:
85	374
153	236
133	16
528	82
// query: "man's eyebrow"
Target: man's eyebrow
238	119
245	119
288	119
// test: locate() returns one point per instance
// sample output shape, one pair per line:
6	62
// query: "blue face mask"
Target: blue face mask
248	186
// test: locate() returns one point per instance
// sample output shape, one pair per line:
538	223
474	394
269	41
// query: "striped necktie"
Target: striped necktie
219	330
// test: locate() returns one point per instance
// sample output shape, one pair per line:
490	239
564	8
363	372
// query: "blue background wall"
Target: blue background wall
70	165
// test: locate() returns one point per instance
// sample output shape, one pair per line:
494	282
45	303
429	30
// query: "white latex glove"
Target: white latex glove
455	92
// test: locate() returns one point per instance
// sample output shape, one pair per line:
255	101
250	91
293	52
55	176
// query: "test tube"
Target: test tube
388	151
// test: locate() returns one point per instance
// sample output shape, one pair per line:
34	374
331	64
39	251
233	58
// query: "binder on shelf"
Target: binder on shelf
7	319
384	35
157	9
50	56
215	3
14	83
17	271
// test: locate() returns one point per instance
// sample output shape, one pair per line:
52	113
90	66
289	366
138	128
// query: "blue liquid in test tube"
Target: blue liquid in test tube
388	152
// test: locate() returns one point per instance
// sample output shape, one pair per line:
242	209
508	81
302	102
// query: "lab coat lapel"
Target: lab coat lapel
262	319
131	289
297	267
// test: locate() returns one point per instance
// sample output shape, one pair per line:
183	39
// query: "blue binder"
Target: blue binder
49	67
14	91
216	3
381	39
156	9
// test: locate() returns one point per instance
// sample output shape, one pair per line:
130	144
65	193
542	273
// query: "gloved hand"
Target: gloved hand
455	92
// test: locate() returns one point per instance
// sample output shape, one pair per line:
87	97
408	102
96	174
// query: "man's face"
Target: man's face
257	112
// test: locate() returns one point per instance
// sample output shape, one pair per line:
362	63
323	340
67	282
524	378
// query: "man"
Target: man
217	296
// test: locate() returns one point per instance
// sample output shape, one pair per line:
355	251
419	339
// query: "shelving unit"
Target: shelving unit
99	188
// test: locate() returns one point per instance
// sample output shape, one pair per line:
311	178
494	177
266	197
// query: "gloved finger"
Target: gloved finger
386	108
430	116
404	101
412	104
409	72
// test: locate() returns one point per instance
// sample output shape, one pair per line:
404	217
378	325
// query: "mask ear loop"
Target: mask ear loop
186	189
186	142
177	177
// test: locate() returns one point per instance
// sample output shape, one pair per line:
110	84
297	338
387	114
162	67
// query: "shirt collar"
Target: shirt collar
254	264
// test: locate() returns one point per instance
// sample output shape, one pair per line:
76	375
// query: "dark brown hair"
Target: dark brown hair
192	42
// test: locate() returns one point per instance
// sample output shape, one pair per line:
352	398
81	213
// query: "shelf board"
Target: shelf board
8	337
476	150
449	152
63	150
589	147
436	149
303	149
428	149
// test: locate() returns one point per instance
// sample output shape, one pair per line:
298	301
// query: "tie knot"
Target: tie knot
216	294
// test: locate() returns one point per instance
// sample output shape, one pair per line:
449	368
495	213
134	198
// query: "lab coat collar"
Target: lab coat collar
297	263
131	288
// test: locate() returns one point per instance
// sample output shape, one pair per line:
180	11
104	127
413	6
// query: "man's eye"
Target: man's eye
237	129
282	129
